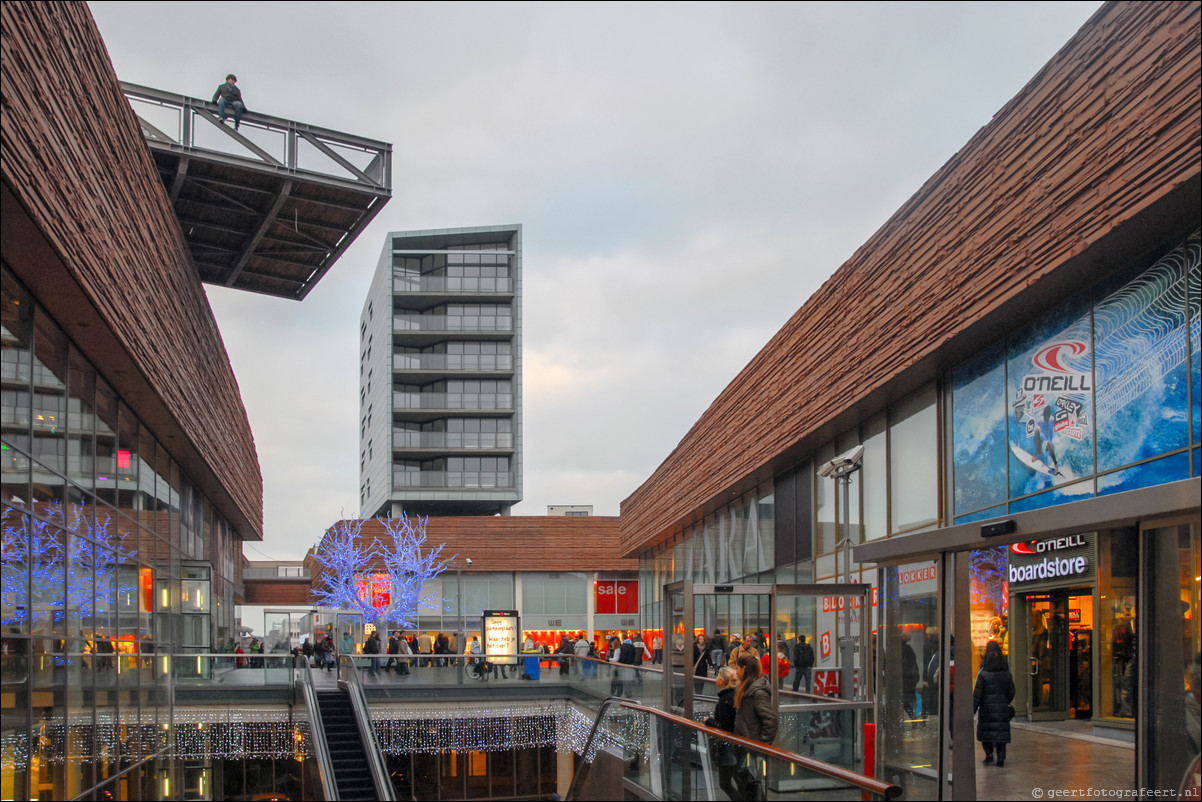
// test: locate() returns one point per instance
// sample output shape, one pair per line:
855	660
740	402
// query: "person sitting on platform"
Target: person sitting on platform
228	95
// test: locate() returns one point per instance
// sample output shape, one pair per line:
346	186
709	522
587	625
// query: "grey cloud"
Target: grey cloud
686	177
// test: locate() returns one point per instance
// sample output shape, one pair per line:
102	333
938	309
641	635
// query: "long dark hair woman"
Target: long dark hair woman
991	700
755	715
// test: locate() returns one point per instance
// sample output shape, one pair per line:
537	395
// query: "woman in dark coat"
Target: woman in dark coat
991	700
701	663
724	719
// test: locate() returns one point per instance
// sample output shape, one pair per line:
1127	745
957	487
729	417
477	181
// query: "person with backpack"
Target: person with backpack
307	651
403	651
326	648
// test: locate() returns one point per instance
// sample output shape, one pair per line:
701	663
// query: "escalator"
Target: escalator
349	762
348	757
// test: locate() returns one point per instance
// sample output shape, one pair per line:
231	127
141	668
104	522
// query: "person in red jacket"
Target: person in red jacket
782	666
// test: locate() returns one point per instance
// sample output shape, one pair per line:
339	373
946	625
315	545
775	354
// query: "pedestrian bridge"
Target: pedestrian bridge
270	207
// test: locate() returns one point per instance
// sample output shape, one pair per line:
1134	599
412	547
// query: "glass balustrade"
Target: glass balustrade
402	323
403	283
452	362
545	675
452	401
415	479
406	439
638	752
197	669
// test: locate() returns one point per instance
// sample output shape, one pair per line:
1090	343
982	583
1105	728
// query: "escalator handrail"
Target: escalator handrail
367	733
880	788
325	766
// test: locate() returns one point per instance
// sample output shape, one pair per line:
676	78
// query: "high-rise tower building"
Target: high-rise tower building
440	380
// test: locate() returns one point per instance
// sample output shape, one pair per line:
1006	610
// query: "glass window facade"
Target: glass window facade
99	524
914	462
736	544
447	377
558	593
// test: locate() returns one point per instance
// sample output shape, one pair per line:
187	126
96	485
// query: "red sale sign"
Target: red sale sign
827	682
617	596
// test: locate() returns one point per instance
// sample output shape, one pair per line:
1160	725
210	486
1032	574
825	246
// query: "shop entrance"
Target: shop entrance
1057	638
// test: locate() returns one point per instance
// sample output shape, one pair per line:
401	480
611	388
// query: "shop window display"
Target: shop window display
989	594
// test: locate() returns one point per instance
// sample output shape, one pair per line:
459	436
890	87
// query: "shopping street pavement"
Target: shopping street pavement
1061	755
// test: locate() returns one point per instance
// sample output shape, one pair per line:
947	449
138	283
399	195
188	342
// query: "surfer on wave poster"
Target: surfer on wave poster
1045	450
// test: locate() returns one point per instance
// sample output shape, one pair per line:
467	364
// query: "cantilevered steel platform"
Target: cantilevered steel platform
270	207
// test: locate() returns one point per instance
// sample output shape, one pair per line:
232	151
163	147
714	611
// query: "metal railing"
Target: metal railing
637	750
289	147
325	767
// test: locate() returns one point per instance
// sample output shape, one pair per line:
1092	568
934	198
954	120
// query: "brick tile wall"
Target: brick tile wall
521	543
75	159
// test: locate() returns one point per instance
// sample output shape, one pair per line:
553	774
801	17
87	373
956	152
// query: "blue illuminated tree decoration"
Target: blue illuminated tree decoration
74	561
346	562
409	569
383	581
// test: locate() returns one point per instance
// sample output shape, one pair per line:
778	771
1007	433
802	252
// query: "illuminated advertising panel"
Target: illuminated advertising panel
502	630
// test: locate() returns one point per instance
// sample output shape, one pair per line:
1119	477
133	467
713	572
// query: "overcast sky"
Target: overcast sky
686	176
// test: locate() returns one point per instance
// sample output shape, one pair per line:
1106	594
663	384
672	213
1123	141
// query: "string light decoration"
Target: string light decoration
435	730
226	733
502	727
624	730
54	741
238	733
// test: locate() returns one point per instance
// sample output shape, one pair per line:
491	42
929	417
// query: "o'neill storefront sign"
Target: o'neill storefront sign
1052	562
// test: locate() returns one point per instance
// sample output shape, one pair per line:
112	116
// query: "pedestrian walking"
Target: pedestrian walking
991	702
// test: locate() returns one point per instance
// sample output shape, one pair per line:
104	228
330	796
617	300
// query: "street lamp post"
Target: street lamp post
841	469
459	611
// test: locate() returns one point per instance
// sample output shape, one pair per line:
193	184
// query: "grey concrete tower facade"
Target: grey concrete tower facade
440	374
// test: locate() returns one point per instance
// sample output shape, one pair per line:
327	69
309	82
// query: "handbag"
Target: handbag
749	786
722	753
1011	707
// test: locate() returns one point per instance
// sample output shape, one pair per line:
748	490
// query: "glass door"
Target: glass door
1167	688
701	623
1047	655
